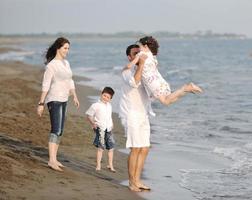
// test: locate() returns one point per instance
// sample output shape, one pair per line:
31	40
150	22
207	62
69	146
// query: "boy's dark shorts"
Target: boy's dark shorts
109	139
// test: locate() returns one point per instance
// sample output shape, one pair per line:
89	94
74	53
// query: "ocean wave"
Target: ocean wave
242	157
220	184
234	130
16	55
231	153
117	68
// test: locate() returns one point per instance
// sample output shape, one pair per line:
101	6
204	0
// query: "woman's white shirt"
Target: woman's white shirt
57	81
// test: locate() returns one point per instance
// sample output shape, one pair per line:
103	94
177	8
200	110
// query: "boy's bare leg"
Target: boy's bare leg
98	159
132	162
52	156
140	164
110	160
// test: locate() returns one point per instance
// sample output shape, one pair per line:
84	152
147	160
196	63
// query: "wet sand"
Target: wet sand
23	145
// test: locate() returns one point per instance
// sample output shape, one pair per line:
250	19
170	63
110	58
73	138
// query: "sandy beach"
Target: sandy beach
23	145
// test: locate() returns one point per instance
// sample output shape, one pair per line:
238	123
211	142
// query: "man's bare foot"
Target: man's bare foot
134	188
55	167
98	168
142	186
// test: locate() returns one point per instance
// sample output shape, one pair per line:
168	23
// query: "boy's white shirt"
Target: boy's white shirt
101	113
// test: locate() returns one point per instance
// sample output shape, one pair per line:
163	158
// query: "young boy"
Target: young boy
99	116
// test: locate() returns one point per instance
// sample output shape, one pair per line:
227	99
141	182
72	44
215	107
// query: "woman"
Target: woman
57	86
153	81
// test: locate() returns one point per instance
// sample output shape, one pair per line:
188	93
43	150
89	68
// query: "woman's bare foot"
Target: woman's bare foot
60	164
98	168
54	166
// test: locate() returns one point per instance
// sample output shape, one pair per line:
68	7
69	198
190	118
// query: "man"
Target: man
134	110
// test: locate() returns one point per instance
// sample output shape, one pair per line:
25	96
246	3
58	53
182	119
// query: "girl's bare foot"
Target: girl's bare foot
55	167
191	87
196	88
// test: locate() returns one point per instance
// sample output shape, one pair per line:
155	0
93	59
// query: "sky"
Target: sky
110	16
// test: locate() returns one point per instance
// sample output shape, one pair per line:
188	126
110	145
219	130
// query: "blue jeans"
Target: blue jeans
57	112
103	142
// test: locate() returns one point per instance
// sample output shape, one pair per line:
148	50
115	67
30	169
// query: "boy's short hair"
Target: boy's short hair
108	90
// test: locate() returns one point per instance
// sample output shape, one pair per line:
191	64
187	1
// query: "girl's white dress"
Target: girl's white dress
153	81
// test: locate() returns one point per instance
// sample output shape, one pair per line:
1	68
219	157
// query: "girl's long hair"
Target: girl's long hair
52	50
151	42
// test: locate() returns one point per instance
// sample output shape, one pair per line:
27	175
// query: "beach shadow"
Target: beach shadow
23	150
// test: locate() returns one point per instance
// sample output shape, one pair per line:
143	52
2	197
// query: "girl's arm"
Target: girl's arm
132	63
139	70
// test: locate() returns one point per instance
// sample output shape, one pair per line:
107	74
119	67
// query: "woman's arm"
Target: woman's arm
46	84
41	103
75	98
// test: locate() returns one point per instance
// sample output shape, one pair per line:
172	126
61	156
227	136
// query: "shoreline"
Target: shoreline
23	143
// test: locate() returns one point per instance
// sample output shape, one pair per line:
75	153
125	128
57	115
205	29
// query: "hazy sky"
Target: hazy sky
109	16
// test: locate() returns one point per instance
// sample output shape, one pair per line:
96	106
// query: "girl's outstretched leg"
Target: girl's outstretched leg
174	96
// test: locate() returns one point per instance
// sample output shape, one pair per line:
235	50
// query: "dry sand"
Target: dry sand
23	145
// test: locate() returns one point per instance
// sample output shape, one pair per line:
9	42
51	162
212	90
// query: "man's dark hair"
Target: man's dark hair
151	42
108	90
131	47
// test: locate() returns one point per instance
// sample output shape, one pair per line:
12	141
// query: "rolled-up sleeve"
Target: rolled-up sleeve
91	111
47	79
128	78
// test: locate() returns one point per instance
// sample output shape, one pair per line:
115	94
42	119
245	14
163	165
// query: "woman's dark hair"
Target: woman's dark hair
131	47
52	50
108	90
151	42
